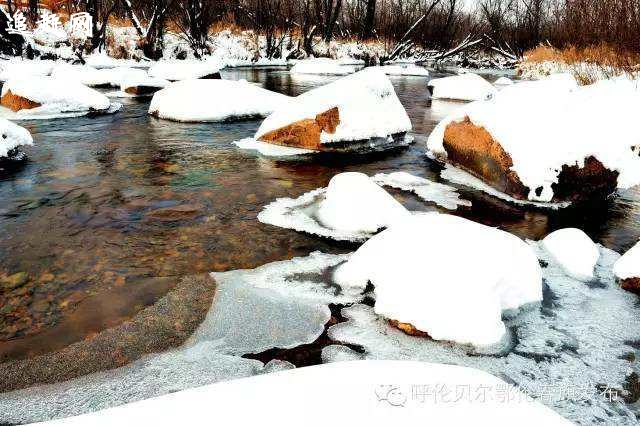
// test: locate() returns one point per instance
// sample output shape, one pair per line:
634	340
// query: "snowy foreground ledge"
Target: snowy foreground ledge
12	137
357	111
548	141
214	100
361	391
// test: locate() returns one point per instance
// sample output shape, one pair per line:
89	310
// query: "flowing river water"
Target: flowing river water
112	212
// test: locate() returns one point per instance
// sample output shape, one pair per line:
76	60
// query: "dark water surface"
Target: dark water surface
110	210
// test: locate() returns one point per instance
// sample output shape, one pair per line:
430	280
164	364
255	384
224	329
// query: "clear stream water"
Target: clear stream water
108	208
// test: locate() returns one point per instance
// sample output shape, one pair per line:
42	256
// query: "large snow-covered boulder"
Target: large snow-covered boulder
214	100
186	70
627	269
464	87
321	66
446	276
356	108
12	137
574	251
51	95
547	141
352	208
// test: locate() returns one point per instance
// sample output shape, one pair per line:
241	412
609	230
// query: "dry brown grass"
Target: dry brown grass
590	63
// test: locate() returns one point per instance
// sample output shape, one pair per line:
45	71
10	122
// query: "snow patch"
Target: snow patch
321	66
405	70
464	87
184	70
574	250
628	266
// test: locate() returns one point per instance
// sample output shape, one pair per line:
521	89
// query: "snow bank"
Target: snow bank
447	276
84	74
465	87
367	104
184	70
321	66
550	123
365	395
574	251
352	208
21	68
562	354
405	69
13	136
56	96
214	100
628	266
443	195
503	81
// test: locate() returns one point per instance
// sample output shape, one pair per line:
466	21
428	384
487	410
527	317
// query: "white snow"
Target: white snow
22	68
559	355
367	105
351	208
574	251
503	81
460	177
369	392
464	87
443	195
133	81
628	266
56	96
12	136
550	123
115	76
405	70
321	66
83	74
214	100
447	276
184	70
271	150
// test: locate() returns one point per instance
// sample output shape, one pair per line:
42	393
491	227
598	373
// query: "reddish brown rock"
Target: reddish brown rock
408	329
142	90
305	133
17	103
473	149
632	285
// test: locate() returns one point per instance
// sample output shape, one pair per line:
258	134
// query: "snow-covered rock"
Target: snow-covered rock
627	269
503	81
84	74
115	76
142	86
186	70
47	96
214	100
446	276
464	87
370	392
351	208
548	140
359	107
321	66
405	69
12	136
444	195
574	251
22	68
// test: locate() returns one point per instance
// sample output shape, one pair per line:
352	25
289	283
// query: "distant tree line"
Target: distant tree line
516	25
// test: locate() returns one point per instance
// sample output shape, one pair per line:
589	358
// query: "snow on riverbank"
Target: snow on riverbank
596	120
214	100
377	392
351	208
13	136
453	289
